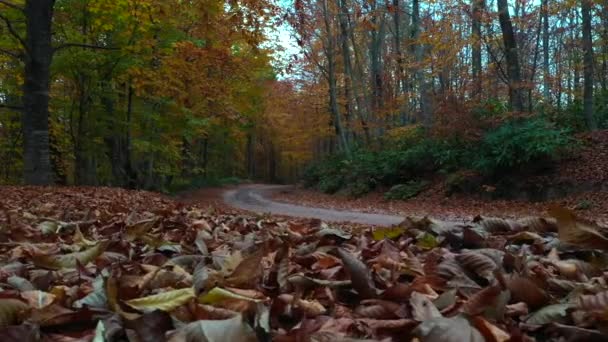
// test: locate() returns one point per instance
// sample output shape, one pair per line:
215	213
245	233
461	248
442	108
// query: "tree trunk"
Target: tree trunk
348	70
516	96
330	47
423	85
588	65
546	47
36	89
478	7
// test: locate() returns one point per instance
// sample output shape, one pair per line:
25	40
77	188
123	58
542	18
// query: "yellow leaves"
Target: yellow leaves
387	233
165	301
218	295
70	260
575	231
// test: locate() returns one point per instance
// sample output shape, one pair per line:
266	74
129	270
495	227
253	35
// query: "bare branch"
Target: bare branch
84	46
11	5
12	31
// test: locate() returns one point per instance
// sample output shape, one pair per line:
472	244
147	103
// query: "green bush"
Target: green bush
406	191
514	146
518	143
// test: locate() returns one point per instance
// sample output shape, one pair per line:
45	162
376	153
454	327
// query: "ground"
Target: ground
104	264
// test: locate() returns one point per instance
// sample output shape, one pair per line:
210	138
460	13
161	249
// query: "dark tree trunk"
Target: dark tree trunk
588	65
35	121
516	94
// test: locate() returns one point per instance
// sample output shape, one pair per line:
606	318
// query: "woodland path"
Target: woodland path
255	198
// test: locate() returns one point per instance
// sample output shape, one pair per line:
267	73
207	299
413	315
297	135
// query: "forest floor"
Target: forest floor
106	264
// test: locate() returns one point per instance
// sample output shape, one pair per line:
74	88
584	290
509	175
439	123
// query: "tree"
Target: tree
36	53
516	96
588	65
478	7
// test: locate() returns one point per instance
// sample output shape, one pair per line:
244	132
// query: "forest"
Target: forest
303	170
168	96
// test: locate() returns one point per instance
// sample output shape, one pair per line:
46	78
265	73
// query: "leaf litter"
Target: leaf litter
102	264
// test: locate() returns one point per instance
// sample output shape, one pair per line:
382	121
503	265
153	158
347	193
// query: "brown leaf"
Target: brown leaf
490	301
151	326
477	263
12	311
577	232
490	332
525	290
248	271
596	304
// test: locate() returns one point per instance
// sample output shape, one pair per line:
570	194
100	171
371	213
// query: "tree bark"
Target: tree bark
516	95
478	6
348	70
588	65
330	47
36	89
546	47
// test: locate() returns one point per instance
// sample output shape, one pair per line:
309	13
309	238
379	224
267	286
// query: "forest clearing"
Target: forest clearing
303	170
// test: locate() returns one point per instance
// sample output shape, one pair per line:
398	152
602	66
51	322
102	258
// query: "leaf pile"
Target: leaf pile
98	264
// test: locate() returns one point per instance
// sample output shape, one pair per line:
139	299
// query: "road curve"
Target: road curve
255	198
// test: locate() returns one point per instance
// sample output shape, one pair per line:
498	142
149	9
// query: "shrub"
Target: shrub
406	191
518	143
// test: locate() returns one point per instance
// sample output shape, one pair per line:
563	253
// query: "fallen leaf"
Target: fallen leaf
423	308
454	329
577	232
233	329
165	301
71	260
12	311
360	275
548	314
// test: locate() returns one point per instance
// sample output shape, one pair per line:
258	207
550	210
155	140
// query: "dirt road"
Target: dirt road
256	198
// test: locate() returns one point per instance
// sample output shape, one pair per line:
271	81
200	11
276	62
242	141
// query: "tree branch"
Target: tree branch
11	5
7	106
85	46
14	54
12	31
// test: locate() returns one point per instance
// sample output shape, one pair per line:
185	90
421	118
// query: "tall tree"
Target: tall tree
588	65
478	7
546	48
36	90
330	49
516	94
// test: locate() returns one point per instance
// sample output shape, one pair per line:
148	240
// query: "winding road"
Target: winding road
255	198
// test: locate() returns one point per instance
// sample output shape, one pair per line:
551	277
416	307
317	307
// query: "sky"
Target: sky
282	37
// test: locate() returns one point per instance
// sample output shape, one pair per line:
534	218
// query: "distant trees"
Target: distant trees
430	62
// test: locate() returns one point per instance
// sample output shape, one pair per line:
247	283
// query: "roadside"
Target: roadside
434	203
